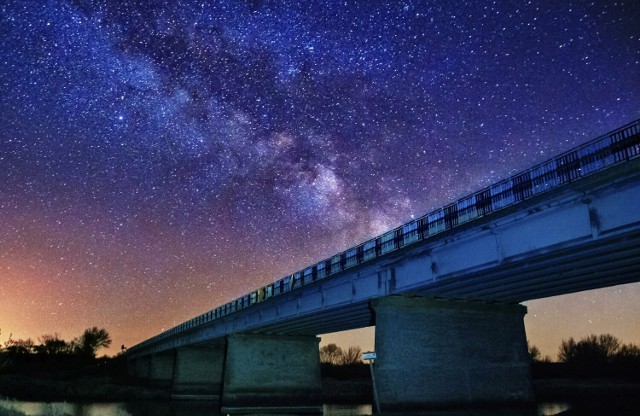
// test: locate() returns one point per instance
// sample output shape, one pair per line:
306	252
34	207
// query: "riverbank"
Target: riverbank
105	388
560	389
585	389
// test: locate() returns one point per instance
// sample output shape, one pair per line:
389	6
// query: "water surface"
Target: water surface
179	408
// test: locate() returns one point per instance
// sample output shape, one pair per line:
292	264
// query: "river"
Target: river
178	408
183	408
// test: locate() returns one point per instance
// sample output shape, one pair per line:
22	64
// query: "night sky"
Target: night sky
158	159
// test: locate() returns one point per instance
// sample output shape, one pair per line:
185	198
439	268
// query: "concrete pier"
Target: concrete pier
139	368
440	353
272	372
131	367
198	373
161	369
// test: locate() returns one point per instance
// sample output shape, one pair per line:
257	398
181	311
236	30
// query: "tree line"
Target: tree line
591	350
334	355
86	346
593	355
604	348
339	363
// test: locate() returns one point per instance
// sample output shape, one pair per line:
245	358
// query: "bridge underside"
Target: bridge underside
432	352
595	264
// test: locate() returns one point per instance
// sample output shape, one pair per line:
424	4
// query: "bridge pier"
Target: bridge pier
131	367
161	369
440	353
198	373
272	372
138	367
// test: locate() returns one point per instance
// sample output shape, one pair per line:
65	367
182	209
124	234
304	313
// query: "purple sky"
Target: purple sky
158	161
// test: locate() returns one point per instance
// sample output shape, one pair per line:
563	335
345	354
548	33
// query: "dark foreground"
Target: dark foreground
85	388
111	389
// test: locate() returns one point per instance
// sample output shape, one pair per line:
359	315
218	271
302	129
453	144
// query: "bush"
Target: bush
598	356
332	354
346	372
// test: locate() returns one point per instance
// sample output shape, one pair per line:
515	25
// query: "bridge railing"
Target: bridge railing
613	148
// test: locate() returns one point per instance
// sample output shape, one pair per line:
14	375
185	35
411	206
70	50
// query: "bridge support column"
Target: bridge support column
272	372
440	353
197	373
161	369
139	367
131	367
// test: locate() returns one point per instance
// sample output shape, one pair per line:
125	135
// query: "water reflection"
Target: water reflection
551	409
186	408
174	408
346	410
19	408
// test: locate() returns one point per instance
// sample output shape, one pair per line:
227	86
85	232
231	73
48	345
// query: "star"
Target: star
199	150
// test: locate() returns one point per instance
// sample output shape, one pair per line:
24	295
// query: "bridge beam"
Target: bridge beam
272	372
198	373
441	353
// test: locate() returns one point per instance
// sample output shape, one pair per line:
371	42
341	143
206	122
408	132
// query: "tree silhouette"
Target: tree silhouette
534	352
352	356
628	352
608	344
19	346
331	354
627	361
91	341
589	350
52	345
567	351
592	355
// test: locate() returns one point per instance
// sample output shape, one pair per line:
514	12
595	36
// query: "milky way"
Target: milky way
160	158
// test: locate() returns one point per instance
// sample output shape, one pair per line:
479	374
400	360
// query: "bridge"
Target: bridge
443	292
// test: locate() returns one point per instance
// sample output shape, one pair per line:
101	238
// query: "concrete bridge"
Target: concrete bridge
443	292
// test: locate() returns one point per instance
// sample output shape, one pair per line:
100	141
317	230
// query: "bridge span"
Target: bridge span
443	292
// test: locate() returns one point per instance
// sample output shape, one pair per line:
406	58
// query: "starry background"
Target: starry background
158	159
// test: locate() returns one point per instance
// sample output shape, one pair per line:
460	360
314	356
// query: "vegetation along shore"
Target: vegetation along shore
592	368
